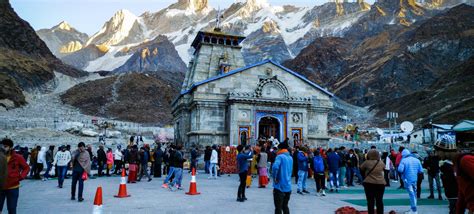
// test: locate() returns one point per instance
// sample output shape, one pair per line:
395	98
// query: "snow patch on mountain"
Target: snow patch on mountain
290	26
176	12
178	37
109	61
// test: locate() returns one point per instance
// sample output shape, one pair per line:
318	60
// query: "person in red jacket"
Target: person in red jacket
17	170
397	162
465	177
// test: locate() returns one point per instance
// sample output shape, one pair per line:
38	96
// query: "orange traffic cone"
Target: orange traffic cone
192	185
123	187
98	201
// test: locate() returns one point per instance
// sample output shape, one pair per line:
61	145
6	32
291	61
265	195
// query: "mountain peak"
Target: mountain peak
257	3
254	5
250	7
196	5
115	30
63	26
191	6
123	13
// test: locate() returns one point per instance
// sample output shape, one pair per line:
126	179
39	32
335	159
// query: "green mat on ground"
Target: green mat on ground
387	191
399	202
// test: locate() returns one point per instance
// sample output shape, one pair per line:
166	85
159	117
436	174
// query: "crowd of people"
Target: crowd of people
373	169
332	169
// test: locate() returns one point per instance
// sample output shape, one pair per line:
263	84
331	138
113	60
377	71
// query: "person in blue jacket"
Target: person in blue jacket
302	170
409	168
333	167
319	166
243	164
281	173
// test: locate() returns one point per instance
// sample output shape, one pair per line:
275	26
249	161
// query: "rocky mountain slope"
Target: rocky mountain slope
26	63
138	97
81	58
156	55
63	39
448	100
396	60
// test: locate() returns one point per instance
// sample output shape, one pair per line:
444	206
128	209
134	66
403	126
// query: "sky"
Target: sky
88	16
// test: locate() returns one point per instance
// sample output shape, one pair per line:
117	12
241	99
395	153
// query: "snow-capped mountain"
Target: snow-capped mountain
63	39
122	28
277	32
271	30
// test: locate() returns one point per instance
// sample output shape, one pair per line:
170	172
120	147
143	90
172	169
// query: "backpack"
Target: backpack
318	164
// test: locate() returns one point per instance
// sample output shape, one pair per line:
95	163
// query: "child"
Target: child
110	160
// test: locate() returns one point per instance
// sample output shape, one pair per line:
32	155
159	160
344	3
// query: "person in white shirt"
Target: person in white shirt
118	158
40	162
61	160
388	167
213	165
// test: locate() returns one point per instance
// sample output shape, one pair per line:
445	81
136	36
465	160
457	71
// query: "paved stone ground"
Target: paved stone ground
217	196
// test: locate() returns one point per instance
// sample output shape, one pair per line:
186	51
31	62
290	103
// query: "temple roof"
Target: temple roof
255	65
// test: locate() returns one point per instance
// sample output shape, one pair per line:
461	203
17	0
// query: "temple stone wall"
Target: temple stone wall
218	107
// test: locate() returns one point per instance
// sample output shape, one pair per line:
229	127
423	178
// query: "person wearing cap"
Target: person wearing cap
61	160
17	170
409	168
448	176
81	163
281	174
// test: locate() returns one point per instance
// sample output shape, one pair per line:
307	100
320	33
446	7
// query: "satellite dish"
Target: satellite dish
379	131
406	126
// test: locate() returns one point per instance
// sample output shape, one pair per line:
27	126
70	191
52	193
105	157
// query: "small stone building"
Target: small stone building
225	102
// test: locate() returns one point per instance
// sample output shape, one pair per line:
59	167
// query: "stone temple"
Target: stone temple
225	102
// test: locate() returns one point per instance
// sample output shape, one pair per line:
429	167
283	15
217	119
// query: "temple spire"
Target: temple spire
219	16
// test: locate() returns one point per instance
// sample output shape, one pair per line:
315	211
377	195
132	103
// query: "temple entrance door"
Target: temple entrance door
269	126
